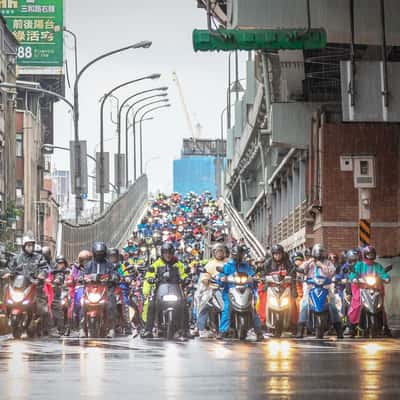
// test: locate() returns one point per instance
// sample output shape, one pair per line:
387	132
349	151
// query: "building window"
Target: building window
20	145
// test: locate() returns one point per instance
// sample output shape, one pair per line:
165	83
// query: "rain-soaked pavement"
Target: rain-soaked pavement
136	369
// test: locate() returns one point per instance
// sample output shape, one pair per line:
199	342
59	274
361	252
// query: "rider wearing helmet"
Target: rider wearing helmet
57	277
33	265
279	263
100	266
235	264
218	261
318	264
167	261
367	265
123	271
298	260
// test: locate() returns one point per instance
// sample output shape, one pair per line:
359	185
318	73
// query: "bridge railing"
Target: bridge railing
243	230
112	226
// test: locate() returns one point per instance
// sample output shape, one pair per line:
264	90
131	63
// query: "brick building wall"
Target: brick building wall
337	225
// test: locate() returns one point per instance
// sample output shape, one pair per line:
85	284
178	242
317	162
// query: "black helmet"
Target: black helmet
277	248
369	253
297	256
237	250
167	248
318	252
61	259
99	251
114	252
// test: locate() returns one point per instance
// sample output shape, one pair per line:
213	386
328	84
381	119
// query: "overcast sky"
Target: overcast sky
103	25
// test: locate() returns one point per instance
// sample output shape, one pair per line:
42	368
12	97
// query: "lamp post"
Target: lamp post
134	129
75	48
163	88
140	127
101	169
77	177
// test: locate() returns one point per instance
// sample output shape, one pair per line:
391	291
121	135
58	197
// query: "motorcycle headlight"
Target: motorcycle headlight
371	280
285	302
170	297
17	296
94	297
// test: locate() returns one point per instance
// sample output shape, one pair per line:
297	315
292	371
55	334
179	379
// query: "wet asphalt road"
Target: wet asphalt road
136	369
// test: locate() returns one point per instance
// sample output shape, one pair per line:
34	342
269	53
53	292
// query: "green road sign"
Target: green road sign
38	26
258	39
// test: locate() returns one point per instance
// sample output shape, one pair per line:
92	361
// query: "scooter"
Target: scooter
212	299
94	302
371	319
279	302
318	303
20	300
241	304
170	305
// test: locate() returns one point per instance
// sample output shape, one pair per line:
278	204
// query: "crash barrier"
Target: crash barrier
244	231
114	225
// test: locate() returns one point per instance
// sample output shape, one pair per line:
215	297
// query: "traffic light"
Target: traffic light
258	39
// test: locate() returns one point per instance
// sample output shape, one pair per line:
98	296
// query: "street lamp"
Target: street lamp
163	88
134	129
21	86
134	126
105	97
140	127
75	48
143	44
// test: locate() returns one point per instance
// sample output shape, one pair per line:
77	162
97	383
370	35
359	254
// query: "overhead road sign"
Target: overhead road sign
258	39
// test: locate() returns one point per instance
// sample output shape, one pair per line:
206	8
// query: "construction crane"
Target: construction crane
185	108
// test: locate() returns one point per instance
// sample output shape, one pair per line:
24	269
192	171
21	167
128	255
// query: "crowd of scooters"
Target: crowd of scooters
182	274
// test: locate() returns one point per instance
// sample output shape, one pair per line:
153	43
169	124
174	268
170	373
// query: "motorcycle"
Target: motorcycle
20	300
241	304
371	319
318	305
170	304
279	302
61	305
212	299
94	301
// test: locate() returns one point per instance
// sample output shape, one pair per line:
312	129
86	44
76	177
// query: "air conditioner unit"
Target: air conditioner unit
364	172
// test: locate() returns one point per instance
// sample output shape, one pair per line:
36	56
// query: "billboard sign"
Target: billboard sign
38	27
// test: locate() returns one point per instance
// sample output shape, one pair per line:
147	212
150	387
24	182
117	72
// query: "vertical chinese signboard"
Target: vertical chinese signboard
38	26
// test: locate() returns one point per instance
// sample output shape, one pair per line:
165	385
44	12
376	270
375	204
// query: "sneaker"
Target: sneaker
82	333
206	335
111	334
146	335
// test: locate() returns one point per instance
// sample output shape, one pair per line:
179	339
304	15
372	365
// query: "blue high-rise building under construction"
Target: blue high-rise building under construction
199	169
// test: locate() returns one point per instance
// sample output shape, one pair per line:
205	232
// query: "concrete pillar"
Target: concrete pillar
296	184
302	183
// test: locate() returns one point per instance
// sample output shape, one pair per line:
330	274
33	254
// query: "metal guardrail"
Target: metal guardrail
111	227
255	246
